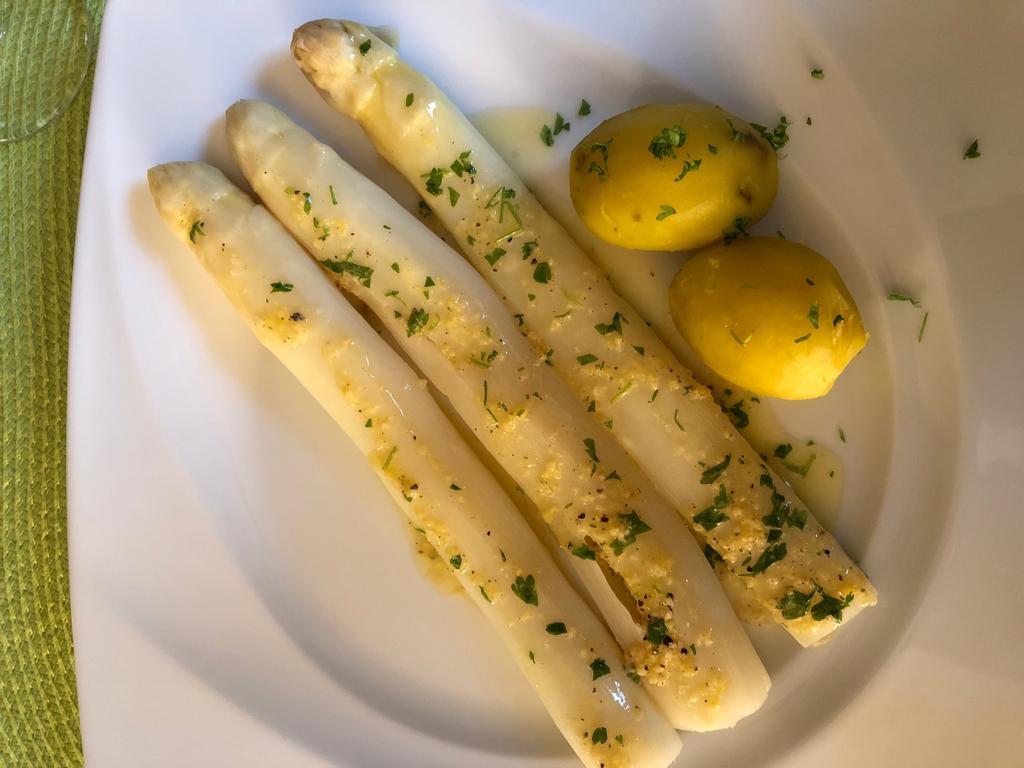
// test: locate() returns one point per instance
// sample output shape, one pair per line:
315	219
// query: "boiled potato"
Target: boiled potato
769	315
672	177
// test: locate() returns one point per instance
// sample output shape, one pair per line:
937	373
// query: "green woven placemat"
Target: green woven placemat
39	179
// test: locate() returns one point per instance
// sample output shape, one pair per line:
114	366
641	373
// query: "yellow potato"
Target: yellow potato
672	177
769	315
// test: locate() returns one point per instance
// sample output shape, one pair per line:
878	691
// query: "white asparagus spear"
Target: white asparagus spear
752	522
380	403
696	659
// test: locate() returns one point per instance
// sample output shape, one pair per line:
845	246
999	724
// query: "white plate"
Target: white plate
243	592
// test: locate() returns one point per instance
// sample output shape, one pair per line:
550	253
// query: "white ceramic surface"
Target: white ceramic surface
243	592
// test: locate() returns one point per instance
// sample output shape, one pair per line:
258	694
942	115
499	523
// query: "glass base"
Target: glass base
44	58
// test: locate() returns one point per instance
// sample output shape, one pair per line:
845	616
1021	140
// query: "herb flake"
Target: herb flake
711	474
600	668
525	588
667	142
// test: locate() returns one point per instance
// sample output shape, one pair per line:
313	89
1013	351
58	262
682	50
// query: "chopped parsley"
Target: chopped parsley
588	443
462	164
600	668
634	527
586	359
783	514
556	628
842	434
639	350
615	326
453	196
709	518
416	321
802	339
493	256
361	272
689	165
667	142
197	229
279	287
368	424
600	734
560	124
526	589
528	249
801	469
739	417
486	596
904	297
484	359
532	657
782	450
542	273
456	561
656	630
794	604
712	149
666	211
773	554
830	607
502	199
434	178
546	136
455	487
584	552
737	135
584	109
738	230
364	47
924	322
334	197
711	474
812	314
818	74
602	148
408	99
837	320
777	137
972	151
628	386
